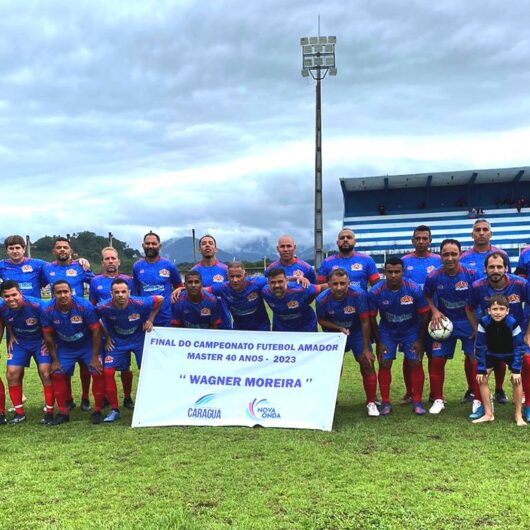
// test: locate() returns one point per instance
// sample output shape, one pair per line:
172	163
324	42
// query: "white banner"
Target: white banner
220	377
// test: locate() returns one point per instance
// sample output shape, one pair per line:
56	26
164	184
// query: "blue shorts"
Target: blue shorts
22	353
68	358
404	344
446	348
118	359
354	343
494	362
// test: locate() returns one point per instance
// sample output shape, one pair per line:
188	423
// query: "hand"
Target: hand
109	344
56	366
11	343
95	363
515	379
148	326
381	349
481	378
346	331
473	334
175	294
303	281
437	317
84	263
418	349
369	356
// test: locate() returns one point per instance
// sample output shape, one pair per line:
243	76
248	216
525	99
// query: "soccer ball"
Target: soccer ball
443	332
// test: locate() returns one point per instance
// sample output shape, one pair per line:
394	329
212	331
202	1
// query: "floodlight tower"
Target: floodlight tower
318	59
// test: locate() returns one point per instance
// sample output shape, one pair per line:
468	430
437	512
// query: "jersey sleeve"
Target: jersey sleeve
363	307
481	348
311	275
518	348
91	316
216	318
371	271
428	287
323	272
92	295
176	280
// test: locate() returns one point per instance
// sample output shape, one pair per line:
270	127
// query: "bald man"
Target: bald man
294	267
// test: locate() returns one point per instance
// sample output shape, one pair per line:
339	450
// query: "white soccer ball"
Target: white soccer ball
443	332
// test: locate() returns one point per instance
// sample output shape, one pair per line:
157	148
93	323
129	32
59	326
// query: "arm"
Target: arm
96	345
480	353
437	315
148	324
470	313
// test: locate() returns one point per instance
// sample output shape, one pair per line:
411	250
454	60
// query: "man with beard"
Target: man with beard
361	268
154	275
294	267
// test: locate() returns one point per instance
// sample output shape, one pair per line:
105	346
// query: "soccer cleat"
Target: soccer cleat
60	419
469	396
406	400
373	411
96	417
128	403
85	405
47	418
13	409
437	406
418	409
17	418
386	409
70	403
500	397
526	412
477	413
3	420
112	416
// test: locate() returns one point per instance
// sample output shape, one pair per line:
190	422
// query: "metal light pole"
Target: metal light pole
318	59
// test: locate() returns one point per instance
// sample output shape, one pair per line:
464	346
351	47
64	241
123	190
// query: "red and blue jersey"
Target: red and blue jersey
451	294
158	278
100	286
246	306
472	259
73	274
25	321
299	269
523	265
516	291
417	268
205	314
125	325
399	310
361	269
29	274
293	311
73	328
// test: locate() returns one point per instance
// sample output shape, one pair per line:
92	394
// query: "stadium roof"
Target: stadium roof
446	178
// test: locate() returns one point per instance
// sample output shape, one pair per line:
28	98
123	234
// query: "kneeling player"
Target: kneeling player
499	339
345	309
125	320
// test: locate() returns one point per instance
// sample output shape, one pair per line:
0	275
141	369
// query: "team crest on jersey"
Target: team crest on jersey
406	300
357	267
298	273
252	296
109	358
134	316
27	268
76	319
436	346
218	278
9	356
461	286
514	299
293	304
386	302
410	267
31	321
164	273
430	268
205	312
71	272
349	310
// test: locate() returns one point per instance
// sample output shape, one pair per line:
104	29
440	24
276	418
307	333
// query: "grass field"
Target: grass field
397	472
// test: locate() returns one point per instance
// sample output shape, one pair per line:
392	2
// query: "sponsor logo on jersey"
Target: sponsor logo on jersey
218	278
385	302
252	296
31	321
27	268
357	267
293	304
71	272
436	345
134	316
349	309
205	312
514	299
410	267
461	286
164	273
406	300
76	319
99	287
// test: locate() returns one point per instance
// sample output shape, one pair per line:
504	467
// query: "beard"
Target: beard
151	252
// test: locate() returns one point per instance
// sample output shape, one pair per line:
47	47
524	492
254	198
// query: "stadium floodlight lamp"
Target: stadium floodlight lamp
318	48
308	62
307	49
332	40
313	40
329	61
322	40
332	71
304	41
305	72
328	48
319	61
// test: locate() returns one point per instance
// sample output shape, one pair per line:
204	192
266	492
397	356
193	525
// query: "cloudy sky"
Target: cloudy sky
173	115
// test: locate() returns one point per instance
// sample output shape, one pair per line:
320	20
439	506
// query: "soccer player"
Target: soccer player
72	333
154	275
361	268
290	304
345	309
448	292
294	267
499	338
404	315
523	265
125	320
242	295
196	308
22	314
418	265
3	420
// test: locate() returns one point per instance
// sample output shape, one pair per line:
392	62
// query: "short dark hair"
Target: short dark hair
499	299
14	240
337	272
236	265
192	274
496	254
207	235
61	238
10	284
118	281
450	241
60	282
276	271
421	228
151	233
394	260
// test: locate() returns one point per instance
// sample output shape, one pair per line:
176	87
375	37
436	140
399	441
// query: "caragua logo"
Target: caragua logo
261	409
201	409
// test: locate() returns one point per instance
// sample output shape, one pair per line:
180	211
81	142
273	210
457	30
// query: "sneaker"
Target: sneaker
386	409
70	403
3	420
478	413
373	411
526	413
500	397
437	406
128	403
60	419
469	396
406	400
418	409
112	416
96	417
17	418
85	405
47	418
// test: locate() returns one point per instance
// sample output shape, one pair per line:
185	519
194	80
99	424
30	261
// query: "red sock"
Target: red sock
468	368
500	373
84	375
525	377
437	376
98	391
49	397
60	390
385	379
370	386
15	393
2	398
406	377
69	395
476	388
111	390
126	381
417	376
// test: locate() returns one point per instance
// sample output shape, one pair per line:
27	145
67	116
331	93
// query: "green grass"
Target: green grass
396	472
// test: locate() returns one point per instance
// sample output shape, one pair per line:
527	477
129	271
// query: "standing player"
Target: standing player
523	265
72	333
294	267
3	420
403	322
125	319
361	268
448	292
22	314
345	309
